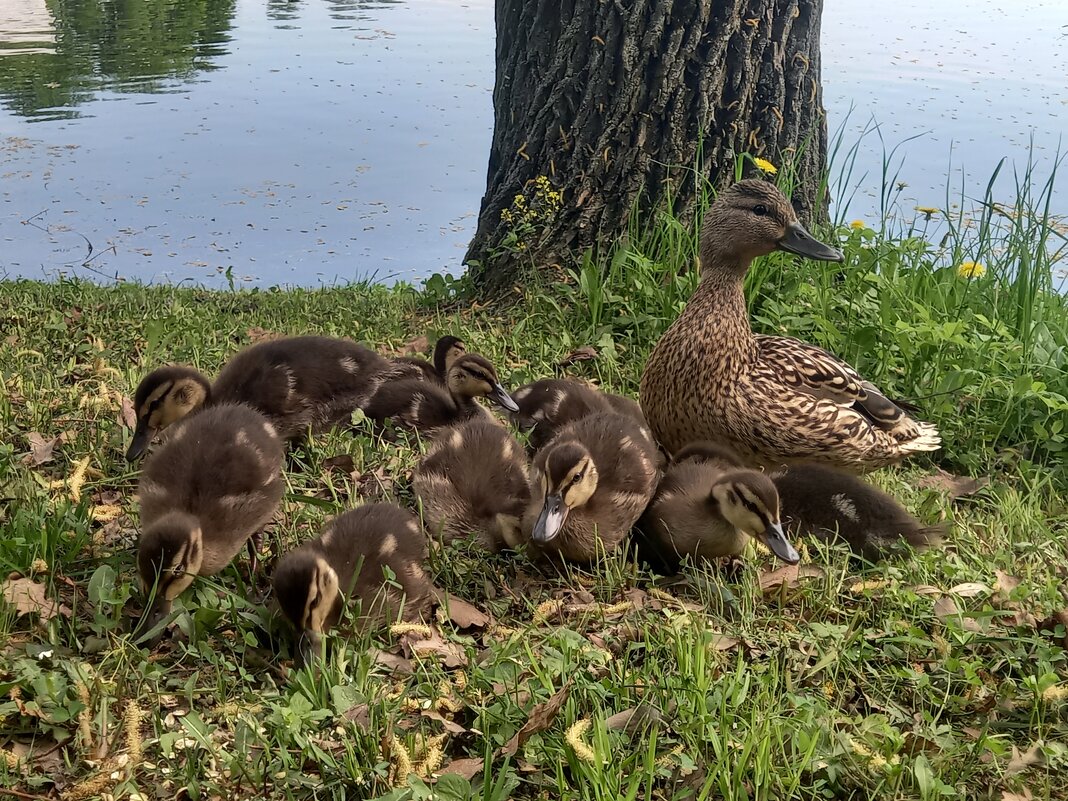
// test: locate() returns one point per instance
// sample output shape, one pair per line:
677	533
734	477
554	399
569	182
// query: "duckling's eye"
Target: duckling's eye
760	210
178	571
577	478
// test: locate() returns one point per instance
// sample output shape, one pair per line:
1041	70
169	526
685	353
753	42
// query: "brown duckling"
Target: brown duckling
446	350
349	559
424	406
706	511
296	382
825	503
205	493
597	474
475	478
548	404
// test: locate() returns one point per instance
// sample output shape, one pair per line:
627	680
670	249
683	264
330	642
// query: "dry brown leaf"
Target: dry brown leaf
452	727
955	486
583	354
541	718
359	714
41	449
418	645
632	720
788	576
969	589
342	463
1021	761
418	345
721	642
945	606
27	596
127	413
1004	584
1023	795
461	613
468	768
394	662
926	589
257	334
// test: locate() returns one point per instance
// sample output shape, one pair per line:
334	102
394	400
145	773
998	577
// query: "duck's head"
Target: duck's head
472	376
446	351
568	479
308	592
164	397
169	555
749	501
753	218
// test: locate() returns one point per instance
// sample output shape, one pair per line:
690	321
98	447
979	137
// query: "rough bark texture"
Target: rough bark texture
615	101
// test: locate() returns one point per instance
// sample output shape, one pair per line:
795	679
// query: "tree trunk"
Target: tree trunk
615	102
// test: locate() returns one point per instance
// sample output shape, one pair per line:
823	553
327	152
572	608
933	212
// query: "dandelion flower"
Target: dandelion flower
858	225
971	269
765	166
574	739
927	211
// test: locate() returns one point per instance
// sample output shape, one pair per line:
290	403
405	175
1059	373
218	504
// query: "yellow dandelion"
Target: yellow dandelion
574	739
858	225
765	166
971	269
927	211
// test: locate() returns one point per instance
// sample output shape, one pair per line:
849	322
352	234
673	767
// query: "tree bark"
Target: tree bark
616	102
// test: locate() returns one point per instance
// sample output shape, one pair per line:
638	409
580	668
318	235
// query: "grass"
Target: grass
929	677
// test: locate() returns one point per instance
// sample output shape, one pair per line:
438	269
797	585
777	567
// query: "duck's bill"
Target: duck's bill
311	648
503	399
141	440
551	520
798	240
150	632
775	538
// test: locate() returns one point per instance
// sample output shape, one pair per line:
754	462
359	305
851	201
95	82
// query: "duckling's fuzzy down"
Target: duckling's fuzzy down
775	400
356	556
548	404
475	479
446	350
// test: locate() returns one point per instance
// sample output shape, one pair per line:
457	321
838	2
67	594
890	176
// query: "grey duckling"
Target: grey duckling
296	382
476	478
598	474
549	404
446	351
349	560
206	493
425	406
826	503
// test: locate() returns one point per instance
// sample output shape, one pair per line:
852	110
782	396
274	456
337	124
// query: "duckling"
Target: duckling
824	503
296	382
598	474
210	489
424	406
475	478
548	404
349	560
446	350
773	399
705	511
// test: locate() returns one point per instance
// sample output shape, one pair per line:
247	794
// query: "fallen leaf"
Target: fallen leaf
359	714
788	576
27	596
945	606
41	449
1050	624
541	718
1019	762
394	662
583	354
970	589
419	645
461	613
342	463
1025	795
468	768
414	346
257	334
1004	584
451	727
721	642
127	413
926	589
955	486
632	720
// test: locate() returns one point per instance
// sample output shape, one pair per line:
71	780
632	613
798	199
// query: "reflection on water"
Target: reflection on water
308	141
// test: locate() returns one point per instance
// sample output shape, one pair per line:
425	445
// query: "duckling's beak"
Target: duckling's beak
310	648
141	439
161	607
800	241
775	538
503	399
551	520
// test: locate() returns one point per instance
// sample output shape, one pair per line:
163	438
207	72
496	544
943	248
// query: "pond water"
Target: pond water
321	141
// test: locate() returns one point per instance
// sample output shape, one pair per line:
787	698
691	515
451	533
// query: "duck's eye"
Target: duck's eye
760	210
577	478
178	571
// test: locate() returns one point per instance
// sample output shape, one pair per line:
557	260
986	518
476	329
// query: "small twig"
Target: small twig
20	794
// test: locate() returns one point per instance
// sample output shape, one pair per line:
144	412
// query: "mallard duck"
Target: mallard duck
424	406
475	478
446	350
705	511
597	476
205	493
349	559
825	503
297	382
548	404
773	399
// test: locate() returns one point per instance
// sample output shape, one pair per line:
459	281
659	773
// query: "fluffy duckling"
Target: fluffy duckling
549	404
475	478
706	511
825	503
597	474
349	560
424	406
296	382
446	351
209	490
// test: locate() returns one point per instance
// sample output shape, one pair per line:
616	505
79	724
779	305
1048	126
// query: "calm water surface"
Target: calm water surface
318	141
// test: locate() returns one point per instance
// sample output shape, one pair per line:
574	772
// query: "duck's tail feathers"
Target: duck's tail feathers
928	439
